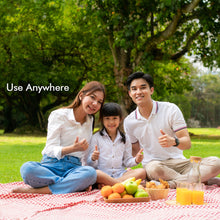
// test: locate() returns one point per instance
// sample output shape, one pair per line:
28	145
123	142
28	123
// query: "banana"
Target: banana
127	180
138	181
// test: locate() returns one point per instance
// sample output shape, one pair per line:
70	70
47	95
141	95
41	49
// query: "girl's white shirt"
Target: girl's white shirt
63	130
114	156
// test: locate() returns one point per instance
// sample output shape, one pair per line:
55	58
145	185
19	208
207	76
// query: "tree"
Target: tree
70	42
204	99
42	43
140	32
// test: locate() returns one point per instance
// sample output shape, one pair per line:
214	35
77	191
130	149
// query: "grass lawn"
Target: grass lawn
15	150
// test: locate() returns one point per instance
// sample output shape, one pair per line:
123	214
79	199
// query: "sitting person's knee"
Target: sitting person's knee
27	169
154	169
216	164
142	173
213	162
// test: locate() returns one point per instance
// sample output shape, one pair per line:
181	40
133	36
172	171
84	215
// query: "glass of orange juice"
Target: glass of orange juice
184	193
198	194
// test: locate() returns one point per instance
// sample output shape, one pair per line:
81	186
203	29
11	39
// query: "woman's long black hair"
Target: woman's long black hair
111	109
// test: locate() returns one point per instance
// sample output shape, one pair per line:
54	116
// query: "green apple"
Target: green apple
141	193
131	187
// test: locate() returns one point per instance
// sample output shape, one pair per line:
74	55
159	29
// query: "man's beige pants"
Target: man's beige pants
176	170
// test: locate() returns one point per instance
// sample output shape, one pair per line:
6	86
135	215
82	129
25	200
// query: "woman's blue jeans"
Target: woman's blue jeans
66	175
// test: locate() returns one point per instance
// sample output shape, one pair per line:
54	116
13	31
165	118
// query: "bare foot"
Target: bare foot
100	185
89	189
43	190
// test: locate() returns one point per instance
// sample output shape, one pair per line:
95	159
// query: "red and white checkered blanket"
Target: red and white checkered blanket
90	205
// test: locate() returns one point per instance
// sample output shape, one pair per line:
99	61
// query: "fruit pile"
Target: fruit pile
130	188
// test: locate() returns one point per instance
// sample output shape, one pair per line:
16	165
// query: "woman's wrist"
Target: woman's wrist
68	149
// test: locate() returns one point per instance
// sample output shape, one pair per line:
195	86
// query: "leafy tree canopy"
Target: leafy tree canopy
140	32
70	42
41	43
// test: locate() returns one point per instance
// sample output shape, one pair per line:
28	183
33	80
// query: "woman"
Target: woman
69	131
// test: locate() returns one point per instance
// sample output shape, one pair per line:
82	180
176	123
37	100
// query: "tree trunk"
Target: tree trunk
9	122
29	104
120	78
122	69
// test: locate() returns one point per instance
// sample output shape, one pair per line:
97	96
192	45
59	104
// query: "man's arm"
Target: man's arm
184	139
135	148
166	140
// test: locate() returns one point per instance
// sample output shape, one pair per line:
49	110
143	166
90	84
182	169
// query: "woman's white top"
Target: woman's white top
63	130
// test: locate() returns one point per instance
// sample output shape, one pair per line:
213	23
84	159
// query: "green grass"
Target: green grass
203	148
15	150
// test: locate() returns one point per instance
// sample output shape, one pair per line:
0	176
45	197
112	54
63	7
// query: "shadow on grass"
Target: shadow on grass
204	136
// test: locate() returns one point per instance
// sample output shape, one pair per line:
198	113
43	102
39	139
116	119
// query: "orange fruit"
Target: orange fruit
114	196
127	196
118	188
106	191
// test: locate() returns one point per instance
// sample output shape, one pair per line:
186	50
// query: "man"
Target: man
160	129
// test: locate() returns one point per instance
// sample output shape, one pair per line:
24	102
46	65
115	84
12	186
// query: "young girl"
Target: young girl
69	131
110	150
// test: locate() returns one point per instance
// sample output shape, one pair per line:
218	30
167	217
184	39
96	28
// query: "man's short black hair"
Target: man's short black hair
140	75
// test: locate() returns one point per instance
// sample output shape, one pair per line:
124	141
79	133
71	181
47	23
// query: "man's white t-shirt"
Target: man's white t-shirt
166	116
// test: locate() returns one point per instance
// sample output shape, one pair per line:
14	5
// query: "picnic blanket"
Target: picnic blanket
90	205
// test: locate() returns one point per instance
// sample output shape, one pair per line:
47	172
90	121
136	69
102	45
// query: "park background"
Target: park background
71	42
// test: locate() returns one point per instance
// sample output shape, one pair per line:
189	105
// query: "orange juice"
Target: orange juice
183	196
178	194
198	197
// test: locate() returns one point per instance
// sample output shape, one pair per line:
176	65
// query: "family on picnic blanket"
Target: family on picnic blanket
155	134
